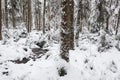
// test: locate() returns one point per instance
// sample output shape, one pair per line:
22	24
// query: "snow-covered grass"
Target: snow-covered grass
86	63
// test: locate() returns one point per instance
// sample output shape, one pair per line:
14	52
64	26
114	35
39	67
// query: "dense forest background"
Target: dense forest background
89	30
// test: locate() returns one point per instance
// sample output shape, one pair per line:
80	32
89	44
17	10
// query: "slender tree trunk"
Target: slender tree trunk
36	15
29	16
25	12
49	15
107	23
118	22
0	21
44	16
6	14
79	22
39	15
35	21
13	14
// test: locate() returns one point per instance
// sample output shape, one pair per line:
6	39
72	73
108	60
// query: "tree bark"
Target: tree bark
79	22
39	20
49	15
38	15
44	16
13	14
67	30
118	22
107	23
29	16
6	14
0	21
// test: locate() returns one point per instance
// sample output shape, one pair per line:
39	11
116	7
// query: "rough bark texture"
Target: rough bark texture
0	22
67	33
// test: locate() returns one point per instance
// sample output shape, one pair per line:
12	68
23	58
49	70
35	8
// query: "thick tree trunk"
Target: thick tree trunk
67	30
0	21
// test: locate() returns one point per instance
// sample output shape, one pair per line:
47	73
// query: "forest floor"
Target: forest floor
18	62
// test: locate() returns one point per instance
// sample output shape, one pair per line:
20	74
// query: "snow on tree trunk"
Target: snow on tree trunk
79	22
67	30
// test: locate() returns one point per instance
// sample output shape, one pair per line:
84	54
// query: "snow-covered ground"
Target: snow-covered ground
86	63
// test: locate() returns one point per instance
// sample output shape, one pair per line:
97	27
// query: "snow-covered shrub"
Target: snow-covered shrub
55	36
5	35
118	46
33	38
118	43
105	42
37	39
